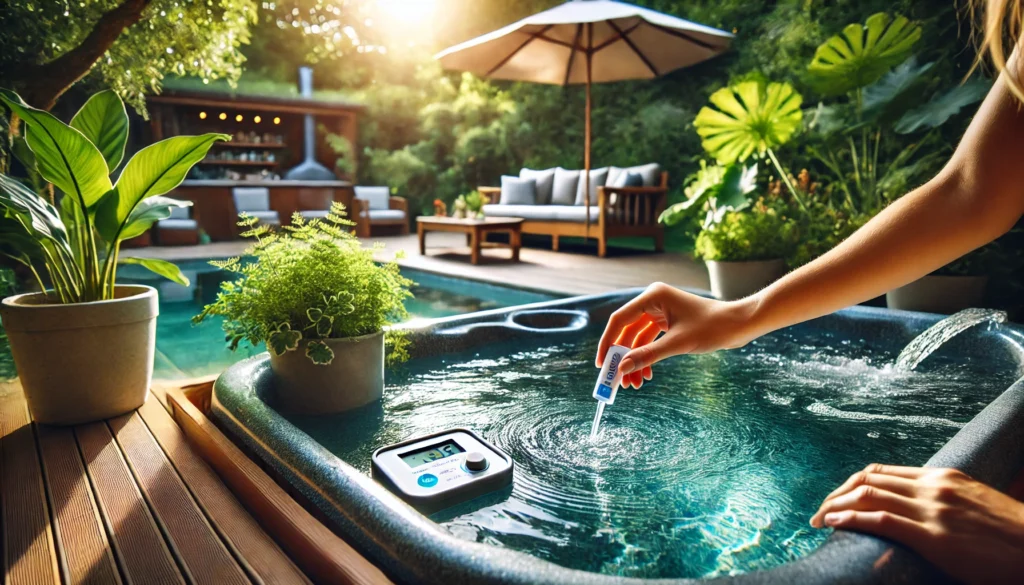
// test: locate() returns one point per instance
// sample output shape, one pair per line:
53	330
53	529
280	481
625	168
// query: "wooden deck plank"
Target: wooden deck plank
205	558
137	541
241	533
318	551
29	551
81	538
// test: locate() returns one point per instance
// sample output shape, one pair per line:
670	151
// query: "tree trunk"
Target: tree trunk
41	85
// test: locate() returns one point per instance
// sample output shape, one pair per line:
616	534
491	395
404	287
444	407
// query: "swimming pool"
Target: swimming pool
711	470
184	350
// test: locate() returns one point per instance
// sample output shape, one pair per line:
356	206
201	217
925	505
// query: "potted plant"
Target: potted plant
84	346
956	286
321	304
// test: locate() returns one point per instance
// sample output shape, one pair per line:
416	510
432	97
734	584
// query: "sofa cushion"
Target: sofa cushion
545	181
563	192
570	213
177	224
377	197
181	213
251	199
266	217
627	179
597	178
651	174
516	191
385	214
313	213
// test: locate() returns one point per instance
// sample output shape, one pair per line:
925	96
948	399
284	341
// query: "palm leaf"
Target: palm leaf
747	119
861	54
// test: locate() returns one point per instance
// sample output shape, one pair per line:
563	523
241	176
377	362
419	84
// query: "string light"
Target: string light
277	120
238	118
202	115
223	116
257	119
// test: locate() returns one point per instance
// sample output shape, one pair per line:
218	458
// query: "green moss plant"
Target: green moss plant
307	283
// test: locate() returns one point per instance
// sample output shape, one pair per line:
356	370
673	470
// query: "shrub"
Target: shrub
311	281
760	233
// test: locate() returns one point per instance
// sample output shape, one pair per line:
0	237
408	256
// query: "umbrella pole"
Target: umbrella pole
586	137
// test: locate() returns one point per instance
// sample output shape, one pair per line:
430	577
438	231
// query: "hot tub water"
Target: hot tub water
713	467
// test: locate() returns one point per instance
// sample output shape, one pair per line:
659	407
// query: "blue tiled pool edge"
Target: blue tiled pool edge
412	548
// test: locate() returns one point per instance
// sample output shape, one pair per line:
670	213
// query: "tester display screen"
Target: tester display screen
431	453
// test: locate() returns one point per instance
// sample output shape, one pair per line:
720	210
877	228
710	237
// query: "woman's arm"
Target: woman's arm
977	197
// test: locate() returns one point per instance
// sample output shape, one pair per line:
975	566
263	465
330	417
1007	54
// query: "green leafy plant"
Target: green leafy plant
763	232
78	245
310	282
750	118
715	189
342	147
861	54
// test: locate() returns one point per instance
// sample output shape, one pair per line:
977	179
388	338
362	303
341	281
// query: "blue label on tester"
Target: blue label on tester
427	480
604	391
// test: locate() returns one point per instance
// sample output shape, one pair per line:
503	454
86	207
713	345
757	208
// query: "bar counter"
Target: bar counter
214	207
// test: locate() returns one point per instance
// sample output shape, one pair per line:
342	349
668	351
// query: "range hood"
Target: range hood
309	169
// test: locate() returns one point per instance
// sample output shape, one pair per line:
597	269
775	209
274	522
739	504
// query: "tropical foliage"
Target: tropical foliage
764	232
308	283
78	241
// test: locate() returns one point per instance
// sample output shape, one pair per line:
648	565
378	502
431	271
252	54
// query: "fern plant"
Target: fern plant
307	283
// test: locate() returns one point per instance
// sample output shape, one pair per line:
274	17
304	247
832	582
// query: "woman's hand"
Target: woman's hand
692	324
970	530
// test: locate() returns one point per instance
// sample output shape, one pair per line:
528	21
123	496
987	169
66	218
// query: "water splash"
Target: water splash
937	335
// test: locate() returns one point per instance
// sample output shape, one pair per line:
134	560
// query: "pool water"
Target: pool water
712	468
184	350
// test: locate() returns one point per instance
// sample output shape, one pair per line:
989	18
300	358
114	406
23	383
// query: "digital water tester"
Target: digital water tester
443	469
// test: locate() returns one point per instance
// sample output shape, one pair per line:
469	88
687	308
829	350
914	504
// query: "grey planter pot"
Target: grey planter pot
354	378
735	280
83	362
939	294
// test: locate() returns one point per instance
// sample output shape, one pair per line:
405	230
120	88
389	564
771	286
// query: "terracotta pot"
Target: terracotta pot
86	361
735	280
354	378
939	294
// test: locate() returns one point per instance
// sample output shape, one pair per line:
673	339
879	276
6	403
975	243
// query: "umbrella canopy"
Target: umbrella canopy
585	42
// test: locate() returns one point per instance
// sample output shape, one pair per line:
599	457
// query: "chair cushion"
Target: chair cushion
597	178
385	214
181	212
250	199
545	182
177	224
563	192
267	217
516	191
627	179
570	213
378	197
651	174
313	213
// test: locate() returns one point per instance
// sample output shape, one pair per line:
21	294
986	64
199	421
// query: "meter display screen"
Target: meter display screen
431	453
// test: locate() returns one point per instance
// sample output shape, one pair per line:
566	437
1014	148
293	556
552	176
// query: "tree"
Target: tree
128	44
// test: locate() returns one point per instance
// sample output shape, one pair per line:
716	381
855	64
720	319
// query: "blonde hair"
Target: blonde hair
1000	20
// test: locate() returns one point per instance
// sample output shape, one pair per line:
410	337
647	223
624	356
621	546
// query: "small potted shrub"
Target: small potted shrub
321	304
742	241
956	286
84	346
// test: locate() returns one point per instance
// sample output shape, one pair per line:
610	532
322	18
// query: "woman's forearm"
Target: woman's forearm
977	197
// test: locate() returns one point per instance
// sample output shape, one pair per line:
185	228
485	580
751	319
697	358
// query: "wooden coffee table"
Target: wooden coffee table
476	231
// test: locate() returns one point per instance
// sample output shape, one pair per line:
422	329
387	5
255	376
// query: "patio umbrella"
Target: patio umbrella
586	42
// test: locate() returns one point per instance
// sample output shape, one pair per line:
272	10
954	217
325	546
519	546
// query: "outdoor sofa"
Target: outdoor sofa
623	202
375	207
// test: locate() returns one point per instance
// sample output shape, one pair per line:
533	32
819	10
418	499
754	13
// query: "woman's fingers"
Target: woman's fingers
881	523
646	335
867	498
629	333
626	314
651	353
862	476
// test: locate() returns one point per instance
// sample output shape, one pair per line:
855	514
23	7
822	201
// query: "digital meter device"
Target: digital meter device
443	469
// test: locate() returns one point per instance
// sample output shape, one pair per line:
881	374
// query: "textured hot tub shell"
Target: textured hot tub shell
412	548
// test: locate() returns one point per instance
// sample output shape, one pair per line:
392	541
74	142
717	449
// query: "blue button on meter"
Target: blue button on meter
470	466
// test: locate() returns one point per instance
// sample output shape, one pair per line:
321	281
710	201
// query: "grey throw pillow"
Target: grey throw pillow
627	179
651	174
597	178
516	191
545	182
613	175
564	190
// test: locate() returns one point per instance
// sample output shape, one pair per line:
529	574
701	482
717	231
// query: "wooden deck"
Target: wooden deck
129	500
572	271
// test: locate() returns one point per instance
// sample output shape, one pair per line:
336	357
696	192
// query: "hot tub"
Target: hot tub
710	471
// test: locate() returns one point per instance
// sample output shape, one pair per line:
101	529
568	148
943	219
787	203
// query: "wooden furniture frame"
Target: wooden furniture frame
360	215
476	231
623	212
